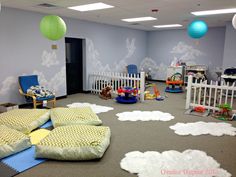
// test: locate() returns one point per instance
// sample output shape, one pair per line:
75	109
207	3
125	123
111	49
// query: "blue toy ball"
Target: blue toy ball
197	29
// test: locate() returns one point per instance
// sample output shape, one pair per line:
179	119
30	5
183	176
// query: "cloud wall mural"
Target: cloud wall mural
173	45
149	65
96	63
109	48
55	82
49	58
162	71
186	53
130	45
8	84
191	56
120	66
157	71
94	60
180	52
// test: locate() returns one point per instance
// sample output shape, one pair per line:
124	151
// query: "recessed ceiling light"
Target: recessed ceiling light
89	7
139	19
168	26
214	12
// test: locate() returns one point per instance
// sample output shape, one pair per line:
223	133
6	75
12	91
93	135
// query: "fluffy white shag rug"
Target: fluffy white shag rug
203	128
144	116
96	108
172	163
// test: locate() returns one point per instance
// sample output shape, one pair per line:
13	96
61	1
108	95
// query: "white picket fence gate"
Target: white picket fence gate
209	95
99	80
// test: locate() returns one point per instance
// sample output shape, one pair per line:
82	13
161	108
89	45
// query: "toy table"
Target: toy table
128	98
174	86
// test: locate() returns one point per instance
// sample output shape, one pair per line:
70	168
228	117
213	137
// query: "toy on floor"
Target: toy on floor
147	92
225	113
174	83
156	95
233	117
127	95
106	93
160	98
149	96
198	111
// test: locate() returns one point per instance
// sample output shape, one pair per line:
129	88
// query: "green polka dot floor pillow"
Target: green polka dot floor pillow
74	142
12	141
72	116
24	120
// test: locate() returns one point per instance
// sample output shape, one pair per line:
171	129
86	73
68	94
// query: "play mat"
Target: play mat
96	108
172	163
144	116
203	128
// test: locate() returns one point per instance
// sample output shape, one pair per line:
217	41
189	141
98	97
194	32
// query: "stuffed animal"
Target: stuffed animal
106	93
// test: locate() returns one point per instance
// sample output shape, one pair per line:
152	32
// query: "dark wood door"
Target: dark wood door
74	65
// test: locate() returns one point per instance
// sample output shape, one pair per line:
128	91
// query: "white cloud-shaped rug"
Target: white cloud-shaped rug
96	108
203	128
172	163
144	116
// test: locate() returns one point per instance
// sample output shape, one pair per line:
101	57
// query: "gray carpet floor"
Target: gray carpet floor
142	136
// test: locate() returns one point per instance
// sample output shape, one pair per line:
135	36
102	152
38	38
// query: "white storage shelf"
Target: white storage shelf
195	69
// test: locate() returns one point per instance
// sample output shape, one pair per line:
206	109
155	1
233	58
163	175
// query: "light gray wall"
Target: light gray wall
108	48
22	52
230	47
25	51
165	46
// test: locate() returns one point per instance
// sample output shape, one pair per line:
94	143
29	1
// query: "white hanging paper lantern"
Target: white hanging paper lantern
234	21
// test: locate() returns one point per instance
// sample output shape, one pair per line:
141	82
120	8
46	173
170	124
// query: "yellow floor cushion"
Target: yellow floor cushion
12	141
74	142
37	135
24	120
72	116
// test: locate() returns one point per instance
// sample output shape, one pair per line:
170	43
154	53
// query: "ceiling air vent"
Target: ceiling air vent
47	5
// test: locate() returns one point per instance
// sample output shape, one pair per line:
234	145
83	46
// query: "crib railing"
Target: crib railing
99	80
209	95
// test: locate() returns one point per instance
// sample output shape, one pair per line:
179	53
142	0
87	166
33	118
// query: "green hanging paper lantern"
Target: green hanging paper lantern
53	27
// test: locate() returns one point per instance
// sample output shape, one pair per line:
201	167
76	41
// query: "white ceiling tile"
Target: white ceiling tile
170	11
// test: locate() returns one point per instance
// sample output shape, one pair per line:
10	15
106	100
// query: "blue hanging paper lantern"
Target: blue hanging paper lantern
197	29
